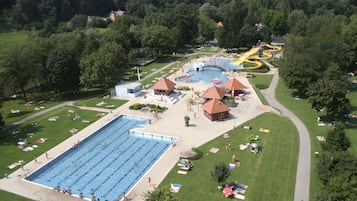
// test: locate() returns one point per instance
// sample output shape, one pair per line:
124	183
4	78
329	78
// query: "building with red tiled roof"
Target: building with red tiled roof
215	110
214	93
234	86
164	86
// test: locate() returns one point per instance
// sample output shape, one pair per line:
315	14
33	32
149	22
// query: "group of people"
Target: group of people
187	165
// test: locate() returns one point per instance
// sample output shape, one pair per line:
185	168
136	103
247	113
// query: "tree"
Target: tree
330	92
185	17
296	22
103	66
336	139
79	21
275	21
63	70
341	187
298	74
220	172
21	63
206	27
159	194
232	15
2	122
157	40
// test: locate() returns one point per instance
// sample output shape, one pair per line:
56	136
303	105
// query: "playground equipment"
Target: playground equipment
251	57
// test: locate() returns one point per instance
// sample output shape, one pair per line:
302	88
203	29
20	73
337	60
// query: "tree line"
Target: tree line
337	168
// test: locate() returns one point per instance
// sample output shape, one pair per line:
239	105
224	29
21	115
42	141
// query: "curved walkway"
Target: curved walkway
302	183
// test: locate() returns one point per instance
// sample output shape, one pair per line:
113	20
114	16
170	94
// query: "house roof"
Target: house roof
233	84
164	84
214	92
215	106
278	40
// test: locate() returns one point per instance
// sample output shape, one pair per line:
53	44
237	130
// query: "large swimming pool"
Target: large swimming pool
108	163
212	72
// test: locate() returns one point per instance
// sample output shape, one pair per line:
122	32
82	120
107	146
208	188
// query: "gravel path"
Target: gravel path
302	183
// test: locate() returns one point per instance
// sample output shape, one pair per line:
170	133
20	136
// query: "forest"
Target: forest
68	50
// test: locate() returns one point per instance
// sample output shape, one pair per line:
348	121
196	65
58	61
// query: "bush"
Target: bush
198	154
220	172
153	108
136	106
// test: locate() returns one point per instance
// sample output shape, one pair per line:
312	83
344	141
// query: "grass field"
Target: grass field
270	174
54	131
17	109
303	110
261	81
101	102
9	196
13	38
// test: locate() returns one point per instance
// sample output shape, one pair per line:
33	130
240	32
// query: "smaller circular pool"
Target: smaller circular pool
212	72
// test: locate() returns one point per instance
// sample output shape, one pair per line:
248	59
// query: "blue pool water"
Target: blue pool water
210	72
110	161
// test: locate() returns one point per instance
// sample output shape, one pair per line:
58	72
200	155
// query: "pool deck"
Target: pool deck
170	123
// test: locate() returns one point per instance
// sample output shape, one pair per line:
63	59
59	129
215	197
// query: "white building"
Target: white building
130	90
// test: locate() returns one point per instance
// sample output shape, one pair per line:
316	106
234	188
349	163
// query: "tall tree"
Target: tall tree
63	70
185	16
2	121
275	21
336	139
330	92
21	63
157	40
104	66
232	15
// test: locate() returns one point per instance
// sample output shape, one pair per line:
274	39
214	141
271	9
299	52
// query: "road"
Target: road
302	183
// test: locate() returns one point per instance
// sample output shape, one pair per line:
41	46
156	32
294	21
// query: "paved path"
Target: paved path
36	115
302	183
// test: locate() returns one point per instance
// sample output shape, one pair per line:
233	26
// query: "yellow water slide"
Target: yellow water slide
251	57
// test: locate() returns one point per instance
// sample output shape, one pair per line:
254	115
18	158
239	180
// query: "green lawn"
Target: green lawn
13	38
261	81
303	110
270	174
101	102
16	109
54	131
9	196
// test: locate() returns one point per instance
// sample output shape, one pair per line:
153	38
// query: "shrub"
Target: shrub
136	106
220	172
198	154
159	194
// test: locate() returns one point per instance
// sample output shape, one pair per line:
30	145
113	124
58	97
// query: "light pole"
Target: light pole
138	72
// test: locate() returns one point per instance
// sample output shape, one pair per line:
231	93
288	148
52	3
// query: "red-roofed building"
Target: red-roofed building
215	110
163	87
214	93
234	86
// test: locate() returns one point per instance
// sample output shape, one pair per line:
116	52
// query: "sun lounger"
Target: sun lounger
264	130
214	150
239	190
184	168
27	149
181	172
14	165
182	162
242	186
239	196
